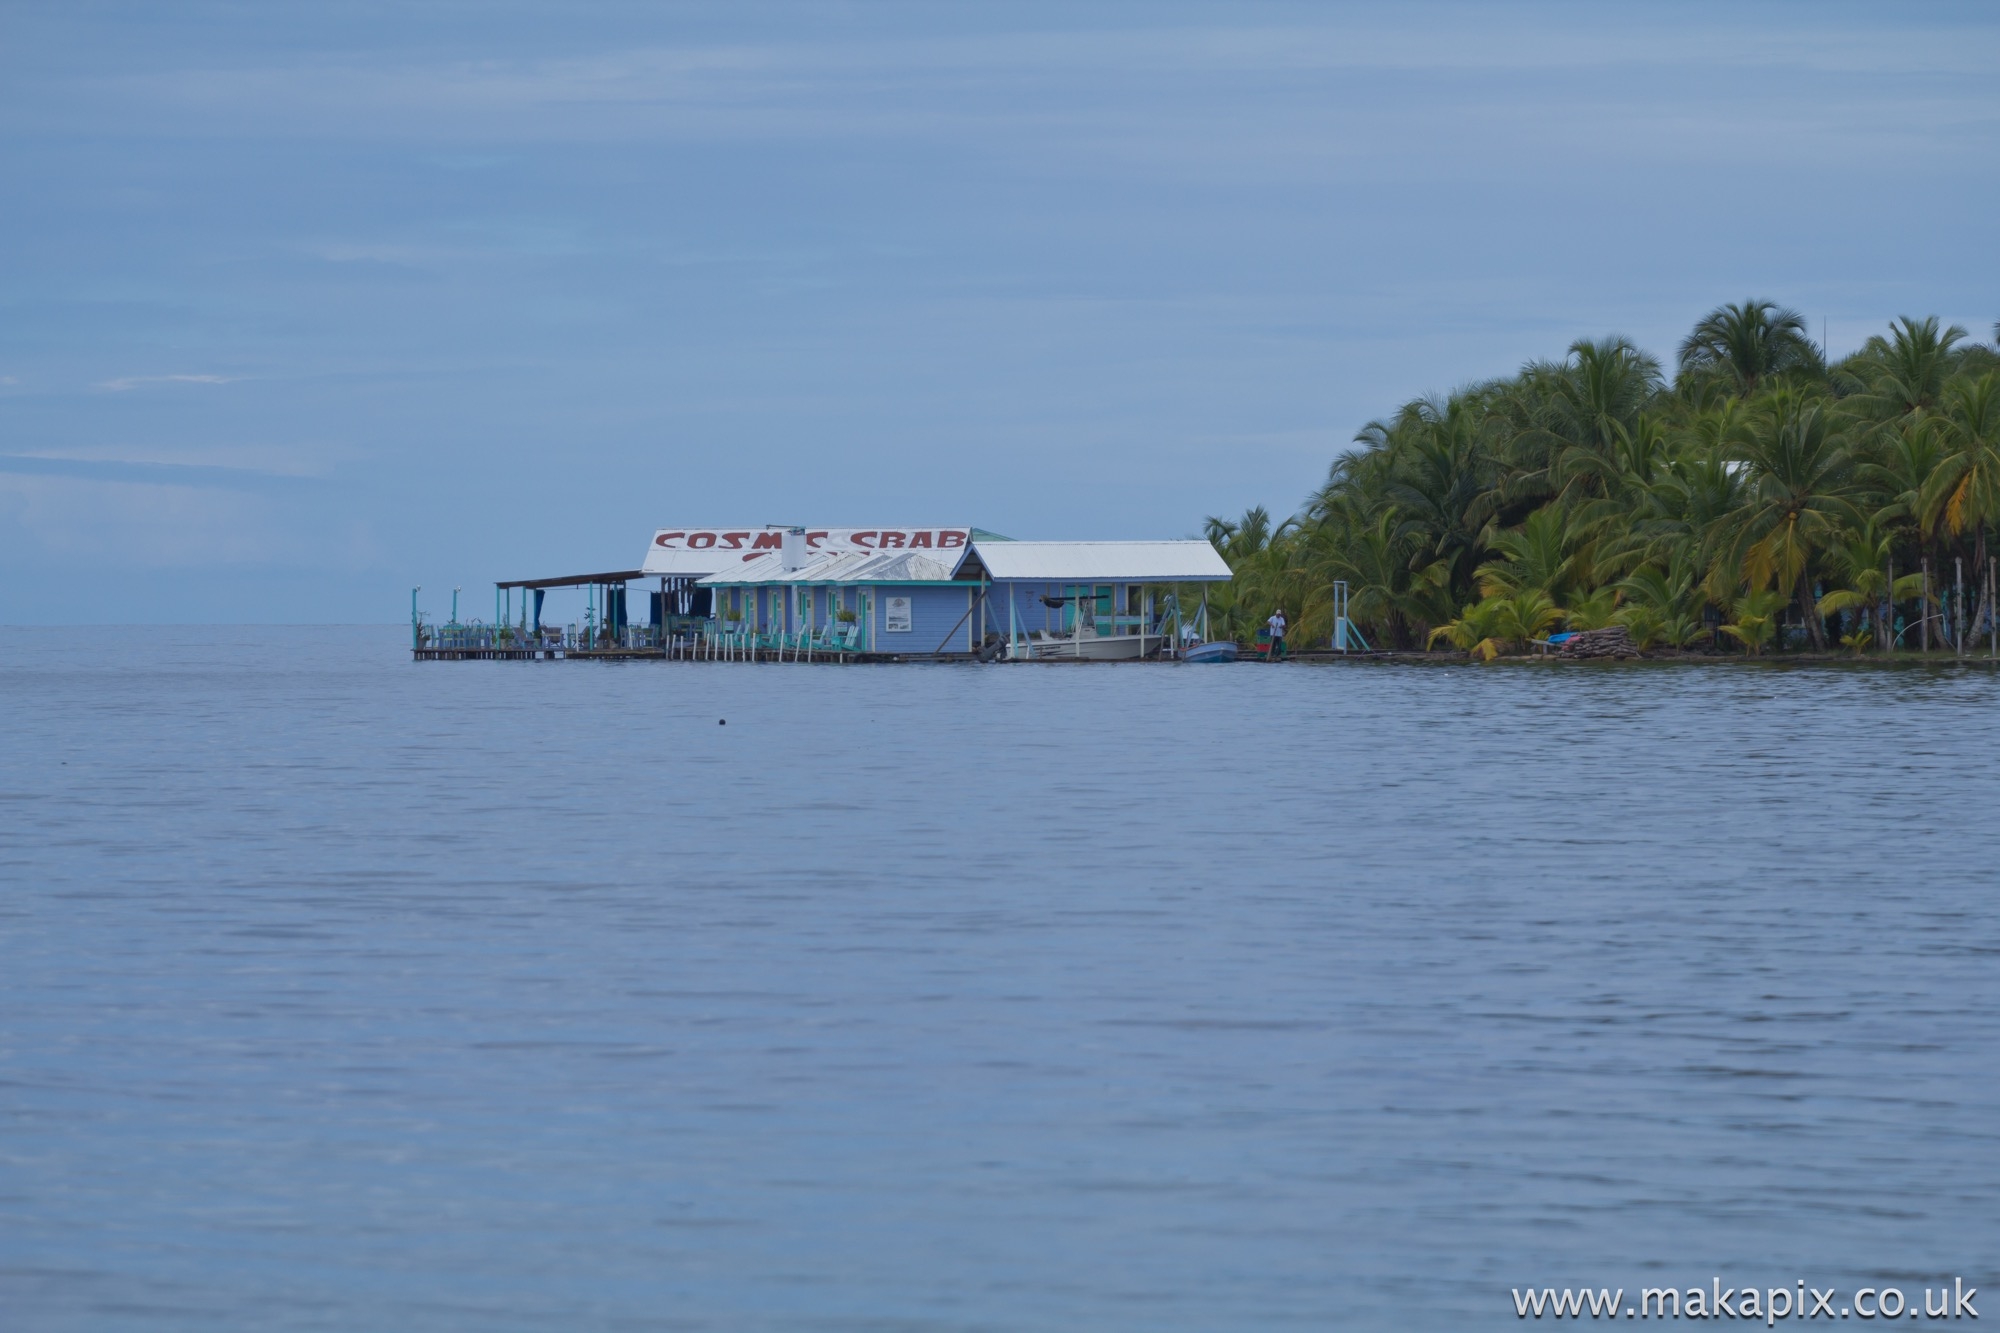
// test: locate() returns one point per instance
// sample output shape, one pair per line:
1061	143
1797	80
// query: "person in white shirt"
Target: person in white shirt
1277	625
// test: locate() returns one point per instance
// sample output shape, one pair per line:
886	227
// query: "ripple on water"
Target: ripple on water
343	992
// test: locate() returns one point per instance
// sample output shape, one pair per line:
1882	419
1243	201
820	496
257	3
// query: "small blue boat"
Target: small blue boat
1221	650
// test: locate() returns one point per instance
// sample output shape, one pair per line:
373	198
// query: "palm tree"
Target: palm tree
1260	556
1476	631
1905	373
1528	616
1802	494
1902	463
1440	477
1489	627
1965	490
1747	344
1861	560
1663	604
1540	555
1245	536
1569	424
1685	516
1649	627
1756	615
1394	602
1585	483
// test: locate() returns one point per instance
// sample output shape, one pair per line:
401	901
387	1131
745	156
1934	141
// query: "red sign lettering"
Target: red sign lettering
818	540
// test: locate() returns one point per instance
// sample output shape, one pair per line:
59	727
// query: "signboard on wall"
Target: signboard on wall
895	615
708	550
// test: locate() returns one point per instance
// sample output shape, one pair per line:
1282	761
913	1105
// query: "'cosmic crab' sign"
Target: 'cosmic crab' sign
706	550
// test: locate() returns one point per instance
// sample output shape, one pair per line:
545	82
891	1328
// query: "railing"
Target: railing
475	636
689	640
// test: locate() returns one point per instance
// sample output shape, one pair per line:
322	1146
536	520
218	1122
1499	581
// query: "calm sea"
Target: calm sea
342	993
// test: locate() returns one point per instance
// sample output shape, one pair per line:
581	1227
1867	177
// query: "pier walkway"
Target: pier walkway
508	643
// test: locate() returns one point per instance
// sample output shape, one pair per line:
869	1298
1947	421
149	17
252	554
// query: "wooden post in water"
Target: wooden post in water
1924	607
1887	611
1958	606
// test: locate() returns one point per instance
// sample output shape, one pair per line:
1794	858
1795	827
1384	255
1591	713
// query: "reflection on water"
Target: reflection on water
344	993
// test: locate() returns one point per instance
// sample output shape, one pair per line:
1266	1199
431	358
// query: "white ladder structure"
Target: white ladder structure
1345	635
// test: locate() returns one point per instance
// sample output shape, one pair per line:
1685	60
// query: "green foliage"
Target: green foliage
1541	556
1594	611
1500	624
1760	488
1756	617
1746	344
1528	616
1477	631
1645	624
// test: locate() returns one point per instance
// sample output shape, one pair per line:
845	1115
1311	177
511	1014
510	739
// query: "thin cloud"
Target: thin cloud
176	526
123	471
131	382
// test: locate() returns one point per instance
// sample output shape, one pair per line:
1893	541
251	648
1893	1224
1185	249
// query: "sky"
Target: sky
304	305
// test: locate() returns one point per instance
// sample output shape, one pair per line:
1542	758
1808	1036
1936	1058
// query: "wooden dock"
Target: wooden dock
761	657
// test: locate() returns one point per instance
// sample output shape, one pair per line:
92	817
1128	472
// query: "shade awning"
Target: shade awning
576	580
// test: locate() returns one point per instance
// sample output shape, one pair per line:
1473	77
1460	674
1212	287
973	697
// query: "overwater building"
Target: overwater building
903	592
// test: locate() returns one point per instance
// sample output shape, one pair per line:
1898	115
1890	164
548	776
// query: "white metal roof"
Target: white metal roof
1102	562
842	567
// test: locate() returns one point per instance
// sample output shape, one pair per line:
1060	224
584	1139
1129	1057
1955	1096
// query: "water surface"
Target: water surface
341	992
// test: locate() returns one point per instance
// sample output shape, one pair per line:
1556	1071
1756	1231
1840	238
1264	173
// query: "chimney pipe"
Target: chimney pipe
792	551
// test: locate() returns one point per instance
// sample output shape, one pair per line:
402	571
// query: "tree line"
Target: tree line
1759	498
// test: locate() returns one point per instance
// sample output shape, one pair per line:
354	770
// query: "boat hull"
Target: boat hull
1092	648
1220	651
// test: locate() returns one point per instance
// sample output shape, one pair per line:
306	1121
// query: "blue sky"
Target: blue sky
303	304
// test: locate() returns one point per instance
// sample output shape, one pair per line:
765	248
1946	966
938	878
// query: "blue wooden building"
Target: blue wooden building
1023	600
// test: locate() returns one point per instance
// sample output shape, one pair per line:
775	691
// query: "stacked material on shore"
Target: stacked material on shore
1611	641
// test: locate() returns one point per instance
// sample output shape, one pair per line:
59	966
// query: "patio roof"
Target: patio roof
576	580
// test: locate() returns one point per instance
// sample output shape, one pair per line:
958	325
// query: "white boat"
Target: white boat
1089	646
